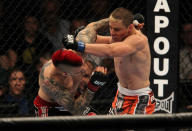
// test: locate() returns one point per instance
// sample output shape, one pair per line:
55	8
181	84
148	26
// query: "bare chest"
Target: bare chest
122	63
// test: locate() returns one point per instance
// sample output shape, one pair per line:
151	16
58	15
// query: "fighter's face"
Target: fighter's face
118	30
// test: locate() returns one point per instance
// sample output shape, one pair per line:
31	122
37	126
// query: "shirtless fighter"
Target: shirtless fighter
58	81
130	49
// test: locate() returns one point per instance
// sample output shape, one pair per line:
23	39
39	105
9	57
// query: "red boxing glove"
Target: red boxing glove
66	57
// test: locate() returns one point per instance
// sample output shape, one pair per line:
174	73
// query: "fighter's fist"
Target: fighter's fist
98	79
139	18
138	21
70	43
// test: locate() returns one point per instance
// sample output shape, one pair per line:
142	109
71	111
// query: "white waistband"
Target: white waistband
129	92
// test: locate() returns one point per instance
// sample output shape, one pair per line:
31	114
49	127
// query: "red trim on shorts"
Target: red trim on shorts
39	102
43	106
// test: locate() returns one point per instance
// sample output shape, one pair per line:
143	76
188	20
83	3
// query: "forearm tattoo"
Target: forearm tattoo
101	24
64	96
89	34
82	101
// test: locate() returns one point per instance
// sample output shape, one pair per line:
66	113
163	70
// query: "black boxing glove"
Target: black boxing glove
138	19
98	80
70	43
78	30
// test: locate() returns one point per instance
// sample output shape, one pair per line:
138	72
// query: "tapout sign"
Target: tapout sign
162	35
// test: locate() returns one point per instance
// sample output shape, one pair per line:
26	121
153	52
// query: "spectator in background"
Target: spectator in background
99	9
4	67
53	26
8	61
16	94
186	52
30	44
8	57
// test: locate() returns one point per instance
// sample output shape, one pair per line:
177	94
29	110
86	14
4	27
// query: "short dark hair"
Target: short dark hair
17	69
123	14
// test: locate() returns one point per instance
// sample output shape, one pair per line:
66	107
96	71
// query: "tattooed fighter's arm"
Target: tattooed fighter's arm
83	101
89	34
64	96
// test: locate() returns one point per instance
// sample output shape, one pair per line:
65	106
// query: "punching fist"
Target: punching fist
138	21
139	18
70	43
98	79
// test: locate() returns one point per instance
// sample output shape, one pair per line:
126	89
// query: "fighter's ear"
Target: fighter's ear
130	27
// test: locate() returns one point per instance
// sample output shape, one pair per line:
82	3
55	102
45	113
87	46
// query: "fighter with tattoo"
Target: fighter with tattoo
58	81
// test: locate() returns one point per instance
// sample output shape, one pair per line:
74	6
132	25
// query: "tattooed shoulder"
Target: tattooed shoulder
58	93
41	75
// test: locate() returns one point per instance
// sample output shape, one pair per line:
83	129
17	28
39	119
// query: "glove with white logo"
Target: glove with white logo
70	43
98	80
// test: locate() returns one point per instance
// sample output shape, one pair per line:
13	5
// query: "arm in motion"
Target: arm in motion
117	49
89	34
